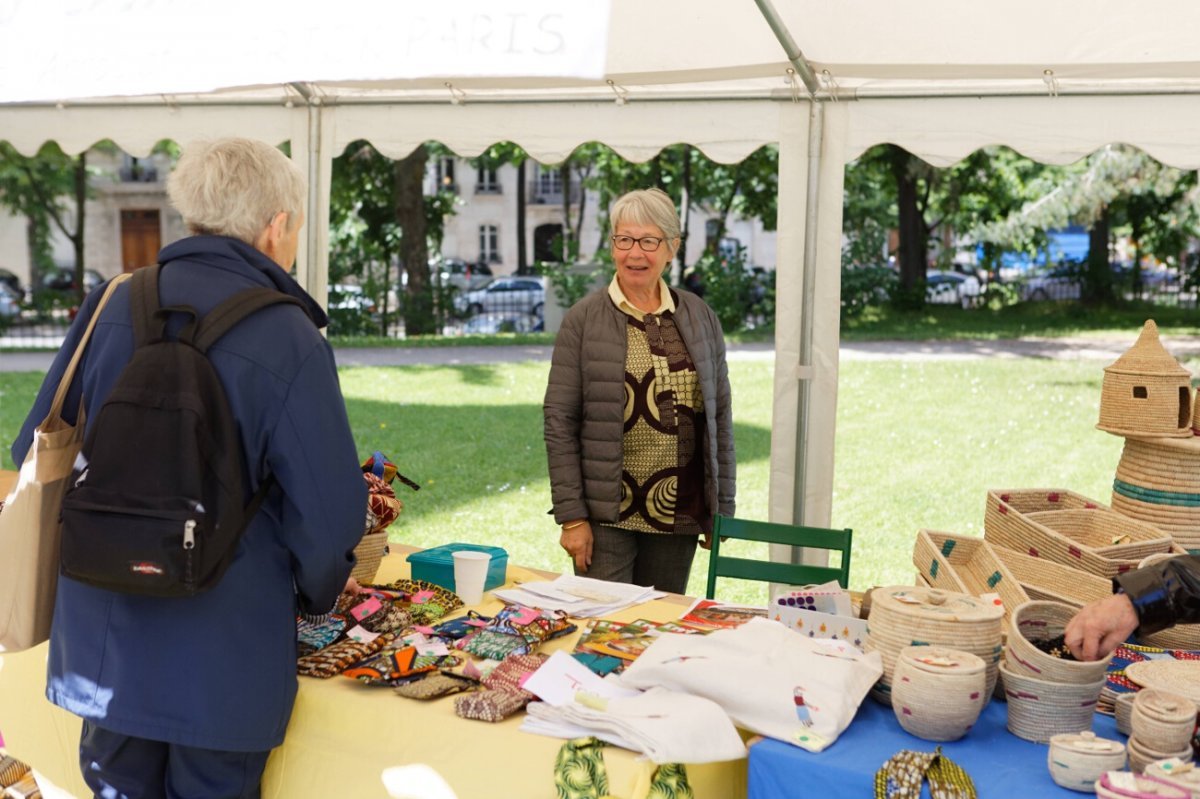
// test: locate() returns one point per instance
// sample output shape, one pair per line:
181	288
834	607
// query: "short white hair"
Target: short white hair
235	187
647	207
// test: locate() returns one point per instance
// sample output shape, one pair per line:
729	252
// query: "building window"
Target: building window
445	175
489	244
549	182
486	181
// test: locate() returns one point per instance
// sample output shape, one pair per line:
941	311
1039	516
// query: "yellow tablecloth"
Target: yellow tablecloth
343	734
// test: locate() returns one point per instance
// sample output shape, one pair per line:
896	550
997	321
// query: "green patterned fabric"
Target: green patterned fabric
902	775
579	773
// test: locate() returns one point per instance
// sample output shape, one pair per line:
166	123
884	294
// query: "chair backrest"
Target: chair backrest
766	571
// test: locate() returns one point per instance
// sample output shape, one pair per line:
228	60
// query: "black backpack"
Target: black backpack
155	505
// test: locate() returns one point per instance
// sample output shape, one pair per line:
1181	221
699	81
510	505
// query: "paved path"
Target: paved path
1076	348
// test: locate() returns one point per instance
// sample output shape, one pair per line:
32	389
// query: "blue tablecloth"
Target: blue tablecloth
1001	764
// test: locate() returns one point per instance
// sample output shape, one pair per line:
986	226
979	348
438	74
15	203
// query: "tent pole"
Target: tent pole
816	133
790	48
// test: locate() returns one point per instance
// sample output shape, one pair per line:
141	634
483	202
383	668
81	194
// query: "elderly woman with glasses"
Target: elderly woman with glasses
638	419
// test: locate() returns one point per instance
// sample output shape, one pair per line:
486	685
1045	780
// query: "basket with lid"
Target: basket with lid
1123	785
1162	719
1039	709
903	616
938	692
1041	622
1076	760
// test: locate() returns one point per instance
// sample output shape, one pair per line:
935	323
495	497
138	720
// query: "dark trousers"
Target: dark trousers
661	560
117	766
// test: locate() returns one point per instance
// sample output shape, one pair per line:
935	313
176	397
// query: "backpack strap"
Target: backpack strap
221	320
144	304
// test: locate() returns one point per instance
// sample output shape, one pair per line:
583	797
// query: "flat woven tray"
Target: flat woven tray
1175	676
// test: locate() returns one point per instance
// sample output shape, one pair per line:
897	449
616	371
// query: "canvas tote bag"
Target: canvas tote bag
29	524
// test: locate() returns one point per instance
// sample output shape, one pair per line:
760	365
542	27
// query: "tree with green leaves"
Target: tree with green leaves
50	190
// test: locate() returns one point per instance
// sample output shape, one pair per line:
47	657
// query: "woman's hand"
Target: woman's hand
577	541
1100	627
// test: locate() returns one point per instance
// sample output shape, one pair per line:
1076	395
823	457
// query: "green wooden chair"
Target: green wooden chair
788	573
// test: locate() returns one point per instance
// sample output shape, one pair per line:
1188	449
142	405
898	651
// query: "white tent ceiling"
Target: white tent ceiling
823	80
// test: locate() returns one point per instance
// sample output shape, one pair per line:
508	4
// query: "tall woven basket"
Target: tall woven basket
370	552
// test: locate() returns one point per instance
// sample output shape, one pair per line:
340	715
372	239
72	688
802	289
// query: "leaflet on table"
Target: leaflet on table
579	596
708	614
562	678
822	625
825	598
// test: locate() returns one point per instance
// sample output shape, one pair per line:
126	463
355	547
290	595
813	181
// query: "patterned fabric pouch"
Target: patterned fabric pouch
516	630
902	775
579	773
457	629
511	674
441	683
312	637
392	664
377	614
488	705
425	602
333	660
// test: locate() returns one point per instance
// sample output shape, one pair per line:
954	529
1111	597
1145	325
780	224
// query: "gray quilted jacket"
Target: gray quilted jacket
585	403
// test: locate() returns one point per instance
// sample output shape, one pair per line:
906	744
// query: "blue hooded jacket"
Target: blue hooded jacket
218	670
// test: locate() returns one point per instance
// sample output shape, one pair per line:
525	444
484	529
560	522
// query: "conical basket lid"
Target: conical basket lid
1148	356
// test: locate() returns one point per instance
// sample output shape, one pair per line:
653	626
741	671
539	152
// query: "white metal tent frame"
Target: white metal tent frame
1052	101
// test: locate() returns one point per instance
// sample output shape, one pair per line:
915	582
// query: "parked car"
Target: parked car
462	275
490	323
1062	282
62	279
349	297
10	302
952	288
505	294
12	281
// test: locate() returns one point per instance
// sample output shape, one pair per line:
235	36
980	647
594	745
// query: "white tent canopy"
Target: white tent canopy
824	81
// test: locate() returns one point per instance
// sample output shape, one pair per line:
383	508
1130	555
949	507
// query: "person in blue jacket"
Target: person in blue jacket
186	697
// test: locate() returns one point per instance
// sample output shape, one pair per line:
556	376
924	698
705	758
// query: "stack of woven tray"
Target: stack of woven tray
967	565
1070	529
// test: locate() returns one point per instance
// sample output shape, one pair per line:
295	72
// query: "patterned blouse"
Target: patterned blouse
662	481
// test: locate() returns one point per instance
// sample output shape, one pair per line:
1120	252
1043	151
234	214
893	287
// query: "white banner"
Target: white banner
64	49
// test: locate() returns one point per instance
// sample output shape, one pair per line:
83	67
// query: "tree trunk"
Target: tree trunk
564	173
414	249
522	259
1098	282
685	203
77	235
911	226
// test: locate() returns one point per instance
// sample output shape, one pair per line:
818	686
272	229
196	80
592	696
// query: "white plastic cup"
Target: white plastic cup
470	574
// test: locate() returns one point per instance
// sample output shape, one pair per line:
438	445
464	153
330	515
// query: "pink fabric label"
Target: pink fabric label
424	630
528	674
477	622
364	609
421	597
524	616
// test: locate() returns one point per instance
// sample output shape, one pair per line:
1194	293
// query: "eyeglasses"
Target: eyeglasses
647	243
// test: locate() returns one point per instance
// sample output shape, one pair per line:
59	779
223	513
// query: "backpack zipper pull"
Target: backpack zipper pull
189	534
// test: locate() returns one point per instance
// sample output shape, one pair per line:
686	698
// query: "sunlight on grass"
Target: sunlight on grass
918	445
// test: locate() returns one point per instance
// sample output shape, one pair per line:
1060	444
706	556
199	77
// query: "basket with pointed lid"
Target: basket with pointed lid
1146	392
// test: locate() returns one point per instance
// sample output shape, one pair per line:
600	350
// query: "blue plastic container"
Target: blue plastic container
436	565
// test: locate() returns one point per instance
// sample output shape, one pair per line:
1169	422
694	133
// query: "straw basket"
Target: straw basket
1076	761
1045	579
1179	773
938	693
1070	529
1142	754
1038	709
1167	720
1123	712
903	616
1158	482
1146	392
1043	621
945	560
1109	786
369	552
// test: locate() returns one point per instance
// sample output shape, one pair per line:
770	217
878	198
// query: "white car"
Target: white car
951	288
505	294
1059	283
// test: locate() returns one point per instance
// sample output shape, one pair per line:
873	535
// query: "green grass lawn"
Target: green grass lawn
918	446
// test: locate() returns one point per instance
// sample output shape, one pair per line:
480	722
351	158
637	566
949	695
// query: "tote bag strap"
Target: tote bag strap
68	375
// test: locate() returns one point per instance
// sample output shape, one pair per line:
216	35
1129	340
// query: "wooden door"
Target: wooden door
141	238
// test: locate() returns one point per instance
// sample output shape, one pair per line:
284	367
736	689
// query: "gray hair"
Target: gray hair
235	187
647	207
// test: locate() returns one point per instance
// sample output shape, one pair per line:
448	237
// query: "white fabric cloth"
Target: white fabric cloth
666	726
770	680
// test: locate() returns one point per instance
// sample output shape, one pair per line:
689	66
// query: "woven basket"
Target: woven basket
1076	761
1158	482
369	552
1038	709
1182	775
947	560
1146	392
937	692
1070	529
903	616
1123	712
1042	621
1165	719
1045	579
1142	754
1144	788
